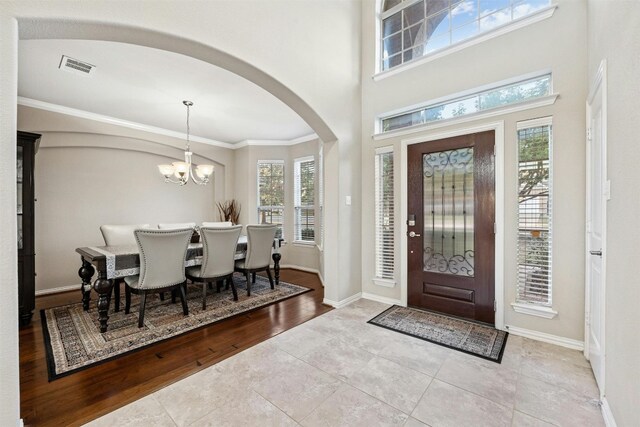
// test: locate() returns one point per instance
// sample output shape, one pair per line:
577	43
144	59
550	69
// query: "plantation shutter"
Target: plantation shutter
385	215
320	222
304	199
271	193
534	212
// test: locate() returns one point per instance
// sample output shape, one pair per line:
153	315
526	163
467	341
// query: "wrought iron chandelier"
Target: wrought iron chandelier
182	171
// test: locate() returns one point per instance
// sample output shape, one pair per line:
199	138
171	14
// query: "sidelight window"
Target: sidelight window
385	214
534	211
271	193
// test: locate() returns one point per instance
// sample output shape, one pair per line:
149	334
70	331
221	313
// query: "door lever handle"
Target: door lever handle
413	234
596	253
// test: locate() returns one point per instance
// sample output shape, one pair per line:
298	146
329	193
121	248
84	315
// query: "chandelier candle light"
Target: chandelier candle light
184	170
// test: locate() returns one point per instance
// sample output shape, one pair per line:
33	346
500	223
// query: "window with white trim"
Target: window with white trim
320	239
271	193
491	98
304	199
385	215
411	29
534	212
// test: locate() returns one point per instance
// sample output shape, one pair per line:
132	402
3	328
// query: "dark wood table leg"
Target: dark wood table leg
276	266
86	273
103	287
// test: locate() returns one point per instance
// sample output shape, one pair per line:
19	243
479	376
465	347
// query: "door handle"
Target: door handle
596	253
413	234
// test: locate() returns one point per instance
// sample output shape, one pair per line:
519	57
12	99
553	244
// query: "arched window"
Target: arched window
411	29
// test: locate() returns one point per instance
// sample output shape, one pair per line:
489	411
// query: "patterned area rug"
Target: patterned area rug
73	340
463	335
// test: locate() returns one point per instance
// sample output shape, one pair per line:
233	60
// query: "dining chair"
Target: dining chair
218	251
259	245
218	224
117	235
162	257
177	226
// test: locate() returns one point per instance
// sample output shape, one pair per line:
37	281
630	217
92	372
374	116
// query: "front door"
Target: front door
451	207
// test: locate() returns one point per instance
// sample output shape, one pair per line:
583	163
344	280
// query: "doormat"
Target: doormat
73	340
466	336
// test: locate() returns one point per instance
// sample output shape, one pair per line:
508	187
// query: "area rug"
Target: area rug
73	340
463	335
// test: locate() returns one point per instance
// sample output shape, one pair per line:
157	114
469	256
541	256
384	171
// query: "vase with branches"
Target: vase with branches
229	210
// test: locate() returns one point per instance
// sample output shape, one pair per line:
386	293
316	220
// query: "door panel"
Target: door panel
451	253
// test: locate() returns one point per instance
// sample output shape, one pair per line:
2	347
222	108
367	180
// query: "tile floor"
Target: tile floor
337	370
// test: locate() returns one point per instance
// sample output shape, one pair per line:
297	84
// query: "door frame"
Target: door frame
599	82
498	128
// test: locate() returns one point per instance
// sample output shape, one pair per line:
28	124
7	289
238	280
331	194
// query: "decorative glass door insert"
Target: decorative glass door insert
448	212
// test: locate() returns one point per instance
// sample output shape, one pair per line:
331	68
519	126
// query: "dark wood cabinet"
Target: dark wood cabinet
25	158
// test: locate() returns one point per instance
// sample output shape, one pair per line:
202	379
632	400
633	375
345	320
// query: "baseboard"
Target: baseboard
551	339
609	421
344	302
58	290
378	298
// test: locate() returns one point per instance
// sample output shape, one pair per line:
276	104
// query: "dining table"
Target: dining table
117	262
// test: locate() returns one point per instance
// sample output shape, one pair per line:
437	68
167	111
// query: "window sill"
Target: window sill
387	283
534	310
508	109
523	22
303	243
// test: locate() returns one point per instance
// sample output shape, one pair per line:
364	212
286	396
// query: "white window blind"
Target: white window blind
385	215
534	211
271	193
304	199
320	223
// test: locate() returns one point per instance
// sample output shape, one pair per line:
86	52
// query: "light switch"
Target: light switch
348	200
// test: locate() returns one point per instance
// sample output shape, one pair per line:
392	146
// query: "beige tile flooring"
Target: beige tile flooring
337	370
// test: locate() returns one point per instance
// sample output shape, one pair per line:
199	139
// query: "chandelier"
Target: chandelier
182	171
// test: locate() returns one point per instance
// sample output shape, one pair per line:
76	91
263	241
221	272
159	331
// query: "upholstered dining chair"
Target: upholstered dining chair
218	251
162	257
218	224
177	226
117	235
259	245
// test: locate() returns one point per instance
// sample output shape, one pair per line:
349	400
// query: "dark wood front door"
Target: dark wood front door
451	246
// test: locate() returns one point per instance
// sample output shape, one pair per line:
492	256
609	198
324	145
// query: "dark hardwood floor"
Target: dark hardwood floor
86	395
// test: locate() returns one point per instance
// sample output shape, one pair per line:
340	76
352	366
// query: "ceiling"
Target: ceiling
147	86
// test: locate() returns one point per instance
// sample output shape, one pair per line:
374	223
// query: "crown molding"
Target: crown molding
55	108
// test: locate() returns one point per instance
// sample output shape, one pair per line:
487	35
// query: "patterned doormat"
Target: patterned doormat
467	336
73	340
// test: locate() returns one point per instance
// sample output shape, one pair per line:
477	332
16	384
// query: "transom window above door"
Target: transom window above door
412	29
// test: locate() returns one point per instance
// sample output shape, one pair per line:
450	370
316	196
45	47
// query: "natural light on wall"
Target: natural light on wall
478	102
411	29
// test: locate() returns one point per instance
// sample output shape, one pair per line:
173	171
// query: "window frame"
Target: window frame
388	280
297	204
259	207
515	24
528	306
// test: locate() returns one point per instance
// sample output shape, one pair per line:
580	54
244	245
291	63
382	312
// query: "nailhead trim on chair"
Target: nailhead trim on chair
165	232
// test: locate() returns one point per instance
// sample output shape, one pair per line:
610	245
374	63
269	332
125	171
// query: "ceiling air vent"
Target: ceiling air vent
75	66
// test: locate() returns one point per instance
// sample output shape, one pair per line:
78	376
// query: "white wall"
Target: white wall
614	35
556	44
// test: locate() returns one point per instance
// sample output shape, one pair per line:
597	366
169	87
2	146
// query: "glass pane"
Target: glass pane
390	3
465	32
463	13
438	24
392	62
495	20
487	7
392	45
448	212
413	14
392	24
437	43
435	6
527	7
414	37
